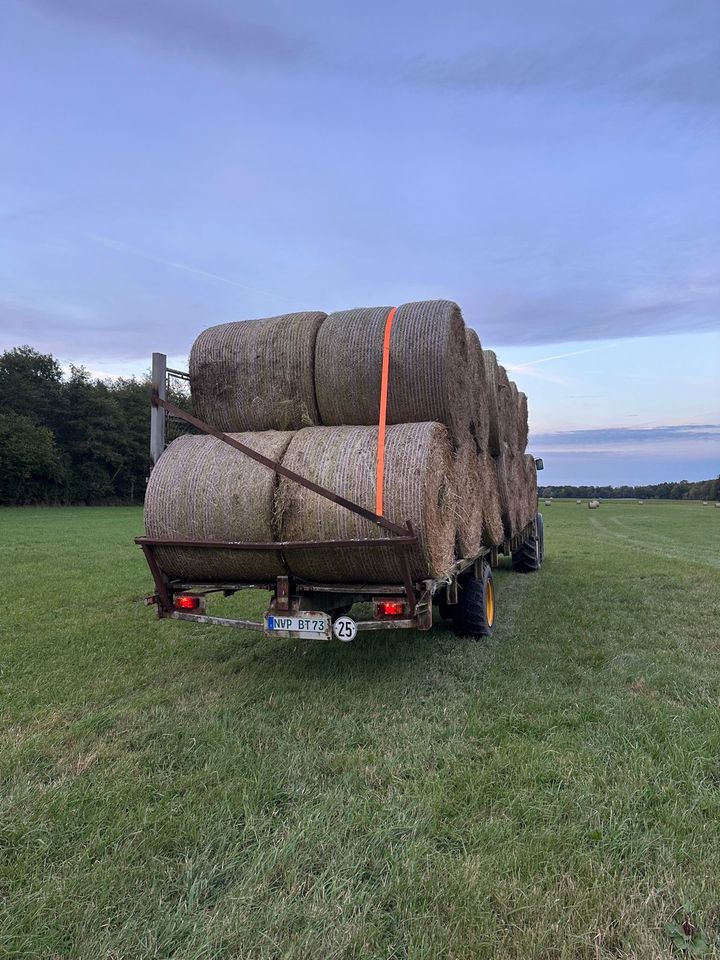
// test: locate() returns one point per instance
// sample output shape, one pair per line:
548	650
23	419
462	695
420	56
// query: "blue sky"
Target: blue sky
552	167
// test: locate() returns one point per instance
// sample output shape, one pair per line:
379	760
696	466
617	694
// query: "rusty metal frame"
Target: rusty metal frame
401	539
171	408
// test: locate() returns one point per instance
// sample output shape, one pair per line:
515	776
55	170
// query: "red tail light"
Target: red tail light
390	608
187	603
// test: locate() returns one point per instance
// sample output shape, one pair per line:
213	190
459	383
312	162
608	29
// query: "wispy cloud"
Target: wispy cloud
674	58
187	28
122	247
623	437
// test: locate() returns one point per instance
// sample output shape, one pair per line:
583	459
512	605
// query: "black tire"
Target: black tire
526	559
474	613
540	528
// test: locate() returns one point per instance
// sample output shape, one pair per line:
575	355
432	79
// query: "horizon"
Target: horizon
169	166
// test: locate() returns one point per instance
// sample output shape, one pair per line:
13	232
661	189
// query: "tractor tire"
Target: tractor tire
474	613
540	527
526	559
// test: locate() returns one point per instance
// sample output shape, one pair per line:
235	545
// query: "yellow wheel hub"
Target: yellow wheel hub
489	602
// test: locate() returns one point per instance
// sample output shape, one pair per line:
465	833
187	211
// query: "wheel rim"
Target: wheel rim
489	602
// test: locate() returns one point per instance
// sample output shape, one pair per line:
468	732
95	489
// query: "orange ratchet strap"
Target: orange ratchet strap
383	414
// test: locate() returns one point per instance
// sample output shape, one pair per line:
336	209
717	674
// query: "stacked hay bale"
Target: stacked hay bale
304	390
516	475
257	374
418	488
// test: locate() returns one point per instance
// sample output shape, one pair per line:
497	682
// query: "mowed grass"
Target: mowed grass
178	791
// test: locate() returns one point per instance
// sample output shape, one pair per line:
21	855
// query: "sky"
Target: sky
170	164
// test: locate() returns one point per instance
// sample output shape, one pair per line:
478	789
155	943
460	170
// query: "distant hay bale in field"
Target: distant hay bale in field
578	501
593	504
705	503
548	502
418	487
717	504
257	374
640	502
428	366
478	391
491	380
468	499
203	489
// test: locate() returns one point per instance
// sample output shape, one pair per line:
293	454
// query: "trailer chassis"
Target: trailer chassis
173	597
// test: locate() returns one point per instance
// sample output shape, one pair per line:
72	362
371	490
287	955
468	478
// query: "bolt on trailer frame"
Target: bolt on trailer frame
174	598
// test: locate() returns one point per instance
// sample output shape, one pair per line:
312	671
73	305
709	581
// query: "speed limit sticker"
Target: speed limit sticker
345	629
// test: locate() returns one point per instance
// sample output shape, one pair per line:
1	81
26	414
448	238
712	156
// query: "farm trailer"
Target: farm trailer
305	609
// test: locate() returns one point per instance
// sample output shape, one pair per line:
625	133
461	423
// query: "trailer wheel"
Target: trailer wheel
527	558
474	614
540	527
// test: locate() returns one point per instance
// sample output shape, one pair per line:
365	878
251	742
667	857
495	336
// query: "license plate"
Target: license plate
310	625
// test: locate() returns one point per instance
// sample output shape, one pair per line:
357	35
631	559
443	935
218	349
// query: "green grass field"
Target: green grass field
177	791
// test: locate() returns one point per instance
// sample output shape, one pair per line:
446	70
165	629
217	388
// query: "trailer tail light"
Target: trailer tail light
389	608
187	603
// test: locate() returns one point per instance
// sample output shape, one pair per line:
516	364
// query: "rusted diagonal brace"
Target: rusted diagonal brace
278	468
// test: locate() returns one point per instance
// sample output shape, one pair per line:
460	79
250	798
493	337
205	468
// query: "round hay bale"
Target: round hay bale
508	411
203	489
493	532
477	387
493	413
523	428
257	374
468	499
503	470
418	488
428	378
520	491
530	500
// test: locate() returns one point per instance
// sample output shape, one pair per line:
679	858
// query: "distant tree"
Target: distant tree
30	466
30	384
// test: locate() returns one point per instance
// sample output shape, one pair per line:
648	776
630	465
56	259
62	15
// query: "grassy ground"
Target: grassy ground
190	792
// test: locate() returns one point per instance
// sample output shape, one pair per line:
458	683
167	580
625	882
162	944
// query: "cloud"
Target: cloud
187	28
620	437
82	335
675	58
595	315
184	267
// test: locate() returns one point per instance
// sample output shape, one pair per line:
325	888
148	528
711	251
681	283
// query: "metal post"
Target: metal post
157	413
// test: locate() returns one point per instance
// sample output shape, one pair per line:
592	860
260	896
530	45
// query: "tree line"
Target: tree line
77	439
70	438
682	490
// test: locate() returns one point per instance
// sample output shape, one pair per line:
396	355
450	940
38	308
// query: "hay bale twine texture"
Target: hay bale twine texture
493	413
257	374
493	532
530	500
477	389
468	499
508	412
203	489
523	426
418	488
503	475
428	366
